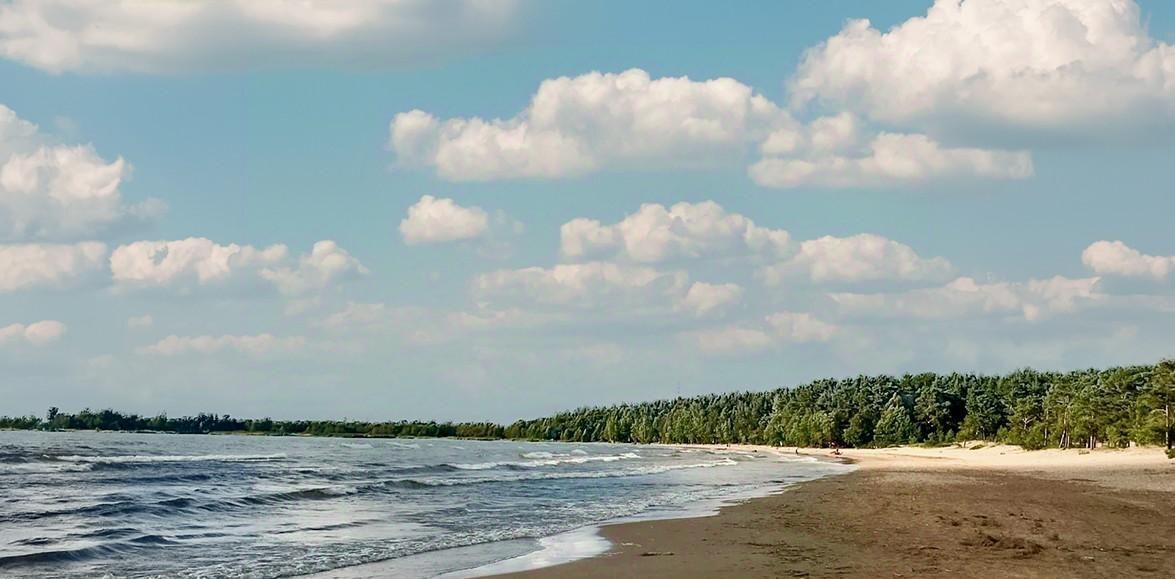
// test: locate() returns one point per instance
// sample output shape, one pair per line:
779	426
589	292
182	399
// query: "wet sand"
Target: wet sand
995	512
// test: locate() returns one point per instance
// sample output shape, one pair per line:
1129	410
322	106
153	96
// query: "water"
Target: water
144	505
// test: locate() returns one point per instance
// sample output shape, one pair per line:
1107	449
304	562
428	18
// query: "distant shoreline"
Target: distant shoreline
922	512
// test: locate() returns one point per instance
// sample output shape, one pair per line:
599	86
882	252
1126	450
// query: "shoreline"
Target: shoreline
587	542
554	553
899	501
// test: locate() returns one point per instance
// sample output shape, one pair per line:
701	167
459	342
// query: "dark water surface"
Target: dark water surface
141	505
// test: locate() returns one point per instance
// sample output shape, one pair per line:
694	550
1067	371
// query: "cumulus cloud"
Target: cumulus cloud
167	37
143	321
859	258
963	297
36	334
705	298
885	159
433	220
776	330
258	345
325	264
576	125
24	266
50	191
596	121
1118	259
197	261
583	286
686	230
1052	65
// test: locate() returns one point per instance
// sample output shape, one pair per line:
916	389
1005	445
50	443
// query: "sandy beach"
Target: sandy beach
922	512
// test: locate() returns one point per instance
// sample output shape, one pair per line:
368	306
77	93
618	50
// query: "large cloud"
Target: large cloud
24	266
433	220
167	37
50	191
1053	65
963	297
582	124
36	333
686	230
1117	258
859	258
196	261
629	120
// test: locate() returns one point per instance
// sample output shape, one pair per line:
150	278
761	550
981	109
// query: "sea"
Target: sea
104	504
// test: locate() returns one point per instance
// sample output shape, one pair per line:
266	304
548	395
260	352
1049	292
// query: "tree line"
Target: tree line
1113	407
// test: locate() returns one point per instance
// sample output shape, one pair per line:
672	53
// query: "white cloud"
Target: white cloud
798	327
589	122
197	261
1117	258
1031	300
258	345
325	264
1056	65
863	257
36	334
433	220
686	230
704	298
597	121
887	159
166	37
586	285
358	316
57	191
423	326
778	329
24	266
143	321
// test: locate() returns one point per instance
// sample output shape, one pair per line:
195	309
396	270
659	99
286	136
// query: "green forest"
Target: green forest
1034	409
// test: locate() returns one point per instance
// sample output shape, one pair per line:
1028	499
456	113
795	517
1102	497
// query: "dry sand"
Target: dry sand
915	512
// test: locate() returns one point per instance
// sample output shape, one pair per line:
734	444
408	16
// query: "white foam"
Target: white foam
548	459
170	458
554	550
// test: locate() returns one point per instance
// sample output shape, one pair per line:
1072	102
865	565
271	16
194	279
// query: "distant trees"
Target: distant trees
1114	407
1153	409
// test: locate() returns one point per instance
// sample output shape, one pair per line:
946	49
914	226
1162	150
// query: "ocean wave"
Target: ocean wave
62	556
149	458
546	459
121	507
35	468
645	471
356	445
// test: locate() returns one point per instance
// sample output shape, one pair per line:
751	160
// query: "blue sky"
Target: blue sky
956	187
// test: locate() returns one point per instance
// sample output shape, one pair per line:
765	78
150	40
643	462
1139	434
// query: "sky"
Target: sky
471	209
